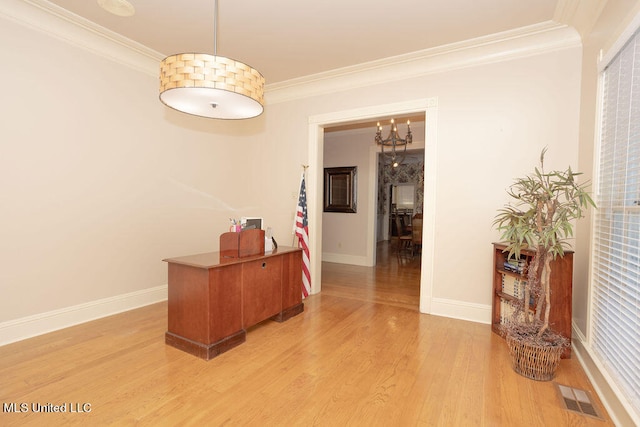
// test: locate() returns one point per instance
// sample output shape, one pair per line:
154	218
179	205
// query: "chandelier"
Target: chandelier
210	85
397	146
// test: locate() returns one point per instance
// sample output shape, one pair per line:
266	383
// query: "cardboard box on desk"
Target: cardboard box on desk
242	244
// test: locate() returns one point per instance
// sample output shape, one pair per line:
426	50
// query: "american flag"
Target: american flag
302	232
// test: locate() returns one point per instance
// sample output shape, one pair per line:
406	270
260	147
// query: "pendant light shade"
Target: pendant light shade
210	85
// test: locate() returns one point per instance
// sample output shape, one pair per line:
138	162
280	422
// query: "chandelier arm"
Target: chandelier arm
404	154
392	142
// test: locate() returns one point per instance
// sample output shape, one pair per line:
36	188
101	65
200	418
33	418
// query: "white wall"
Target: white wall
493	121
344	235
100	182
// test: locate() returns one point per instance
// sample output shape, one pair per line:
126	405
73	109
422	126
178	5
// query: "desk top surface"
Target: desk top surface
214	259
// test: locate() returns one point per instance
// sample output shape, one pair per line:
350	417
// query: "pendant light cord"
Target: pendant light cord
215	28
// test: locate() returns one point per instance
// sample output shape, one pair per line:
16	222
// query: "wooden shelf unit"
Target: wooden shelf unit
561	282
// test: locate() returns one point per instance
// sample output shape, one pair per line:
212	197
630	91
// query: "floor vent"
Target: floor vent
576	400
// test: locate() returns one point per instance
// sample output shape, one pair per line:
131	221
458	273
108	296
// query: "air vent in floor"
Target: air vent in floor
577	400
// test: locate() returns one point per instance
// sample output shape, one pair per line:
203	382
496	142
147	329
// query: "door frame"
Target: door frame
317	124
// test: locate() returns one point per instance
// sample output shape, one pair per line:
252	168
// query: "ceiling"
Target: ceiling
287	39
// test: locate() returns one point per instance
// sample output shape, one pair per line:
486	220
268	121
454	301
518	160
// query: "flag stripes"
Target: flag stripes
302	232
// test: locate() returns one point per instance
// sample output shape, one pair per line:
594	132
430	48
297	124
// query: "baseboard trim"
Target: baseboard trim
345	259
461	310
609	395
31	326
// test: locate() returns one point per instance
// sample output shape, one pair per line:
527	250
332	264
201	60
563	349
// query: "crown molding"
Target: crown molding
519	43
579	14
63	25
59	23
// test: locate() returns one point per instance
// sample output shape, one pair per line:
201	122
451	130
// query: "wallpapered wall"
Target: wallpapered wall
412	173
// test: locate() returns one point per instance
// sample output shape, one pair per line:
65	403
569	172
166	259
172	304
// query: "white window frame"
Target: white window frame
603	62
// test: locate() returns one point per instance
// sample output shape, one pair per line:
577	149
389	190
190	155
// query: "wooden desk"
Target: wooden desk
213	300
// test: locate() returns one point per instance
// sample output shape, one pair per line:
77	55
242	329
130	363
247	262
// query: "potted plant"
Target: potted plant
540	218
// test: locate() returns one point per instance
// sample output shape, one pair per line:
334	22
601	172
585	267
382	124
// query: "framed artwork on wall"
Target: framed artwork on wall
340	189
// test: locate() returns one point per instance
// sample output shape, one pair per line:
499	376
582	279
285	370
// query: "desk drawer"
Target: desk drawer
261	290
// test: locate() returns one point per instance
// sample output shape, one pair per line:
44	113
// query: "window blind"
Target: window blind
615	320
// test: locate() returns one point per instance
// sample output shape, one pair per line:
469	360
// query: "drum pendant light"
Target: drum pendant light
210	85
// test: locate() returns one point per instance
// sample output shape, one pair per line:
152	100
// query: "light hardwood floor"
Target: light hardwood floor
359	355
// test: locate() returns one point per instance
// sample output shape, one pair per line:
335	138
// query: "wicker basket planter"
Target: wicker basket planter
534	361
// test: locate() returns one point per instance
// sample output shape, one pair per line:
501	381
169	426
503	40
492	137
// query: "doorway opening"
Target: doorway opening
400	193
315	177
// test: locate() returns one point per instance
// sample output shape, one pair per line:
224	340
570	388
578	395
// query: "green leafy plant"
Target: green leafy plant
540	218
